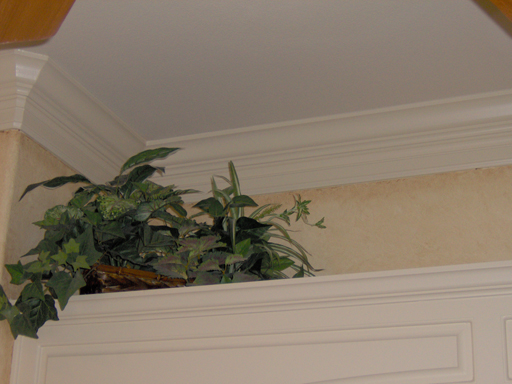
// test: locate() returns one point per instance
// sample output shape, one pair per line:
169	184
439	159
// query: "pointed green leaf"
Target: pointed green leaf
178	209
145	210
56	182
72	246
93	217
32	290
242	201
65	286
20	325
7	310
87	248
300	273
211	206
60	258
38	311
80	262
17	272
243	247
235	183
147	156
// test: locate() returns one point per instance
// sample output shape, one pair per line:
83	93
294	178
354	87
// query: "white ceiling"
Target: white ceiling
170	68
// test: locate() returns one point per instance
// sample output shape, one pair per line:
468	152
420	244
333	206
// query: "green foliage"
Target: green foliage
237	247
133	222
106	223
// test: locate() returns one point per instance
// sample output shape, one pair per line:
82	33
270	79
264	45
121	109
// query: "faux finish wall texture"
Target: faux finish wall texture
22	162
434	220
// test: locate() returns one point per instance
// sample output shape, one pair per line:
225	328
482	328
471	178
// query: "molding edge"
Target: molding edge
417	139
59	114
453	134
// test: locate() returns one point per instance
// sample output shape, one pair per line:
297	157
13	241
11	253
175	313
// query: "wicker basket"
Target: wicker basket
106	278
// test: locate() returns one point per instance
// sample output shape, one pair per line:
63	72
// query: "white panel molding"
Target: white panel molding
429	325
63	117
445	135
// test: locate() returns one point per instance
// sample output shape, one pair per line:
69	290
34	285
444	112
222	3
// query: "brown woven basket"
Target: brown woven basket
106	278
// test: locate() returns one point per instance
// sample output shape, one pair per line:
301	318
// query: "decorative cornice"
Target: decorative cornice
18	73
445	135
63	117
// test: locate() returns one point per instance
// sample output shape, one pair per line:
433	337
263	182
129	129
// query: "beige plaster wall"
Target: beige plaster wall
444	219
22	162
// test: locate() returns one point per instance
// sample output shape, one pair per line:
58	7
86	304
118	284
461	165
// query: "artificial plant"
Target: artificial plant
133	222
106	223
235	247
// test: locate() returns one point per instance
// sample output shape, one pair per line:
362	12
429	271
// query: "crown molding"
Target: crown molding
417	139
18	74
453	134
53	109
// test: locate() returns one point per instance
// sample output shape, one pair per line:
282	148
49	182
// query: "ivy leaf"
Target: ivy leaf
60	257
7	310
32	290
147	156
38	311
20	325
80	262
35	267
65	286
18	273
93	217
87	248
72	246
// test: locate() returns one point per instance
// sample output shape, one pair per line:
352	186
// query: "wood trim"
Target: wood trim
505	6
31	20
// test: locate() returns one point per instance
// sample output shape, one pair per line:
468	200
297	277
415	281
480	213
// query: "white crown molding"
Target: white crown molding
63	117
444	135
18	74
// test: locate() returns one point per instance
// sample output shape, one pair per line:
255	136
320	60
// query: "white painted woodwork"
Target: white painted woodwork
40	99
434	325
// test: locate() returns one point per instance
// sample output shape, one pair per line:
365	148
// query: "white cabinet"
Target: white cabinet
435	325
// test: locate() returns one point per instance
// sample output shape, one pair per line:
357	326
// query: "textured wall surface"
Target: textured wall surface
22	162
452	218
